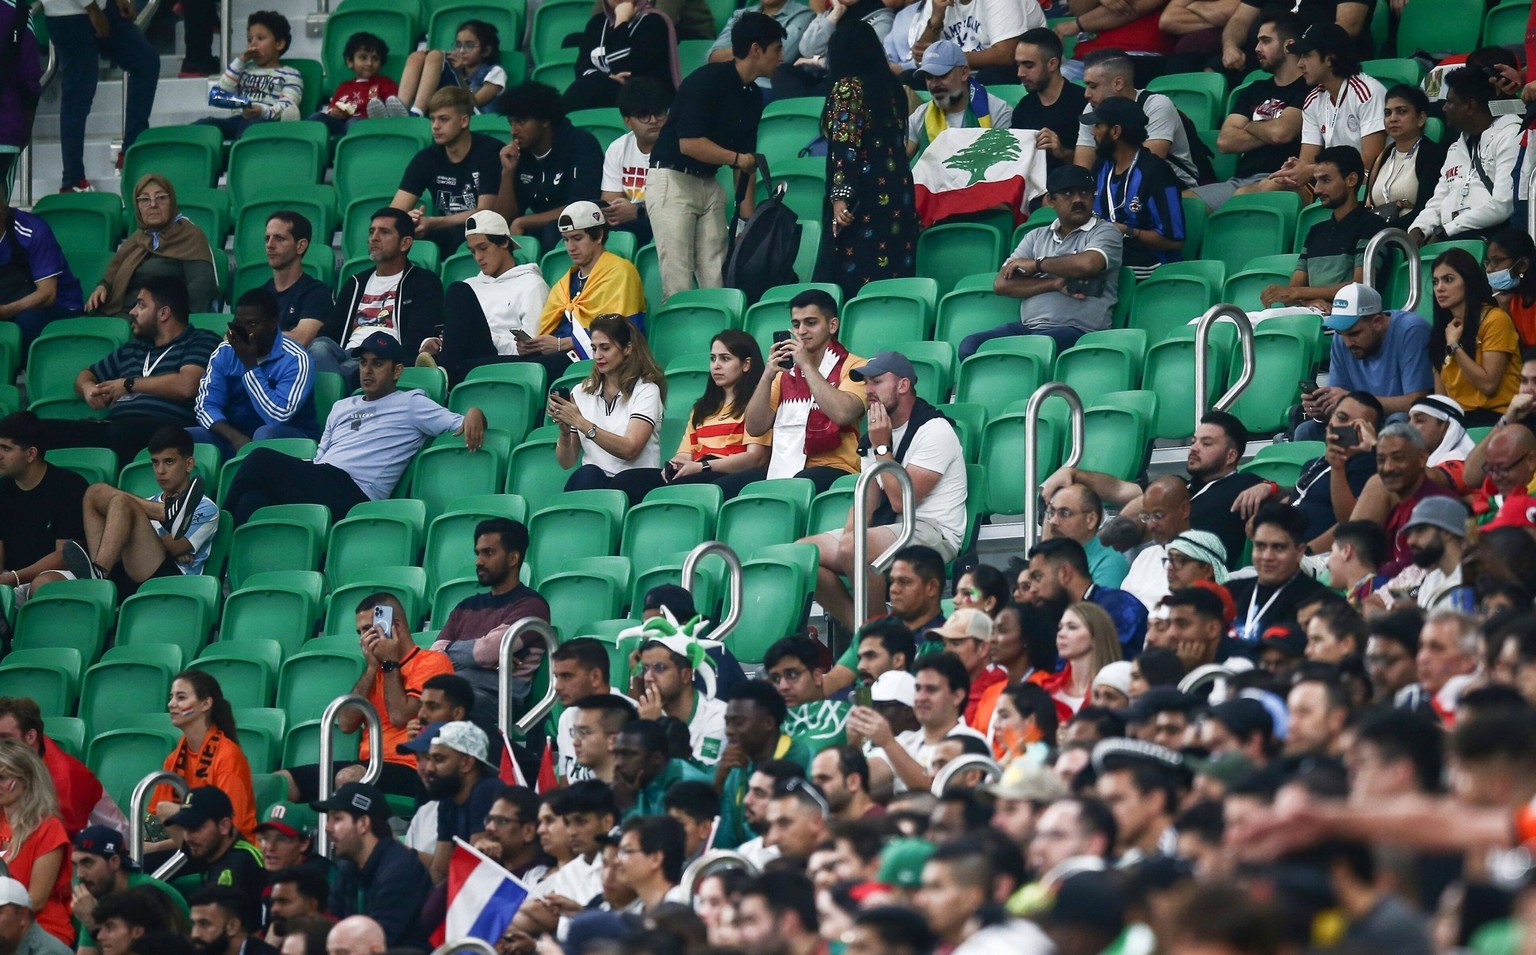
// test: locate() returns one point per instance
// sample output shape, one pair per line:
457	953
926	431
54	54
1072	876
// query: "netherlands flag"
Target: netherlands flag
482	897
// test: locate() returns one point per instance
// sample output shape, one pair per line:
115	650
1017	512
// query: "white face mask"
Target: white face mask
1503	280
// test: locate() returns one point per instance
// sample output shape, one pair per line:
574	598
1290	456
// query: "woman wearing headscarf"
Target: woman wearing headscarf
167	244
1439	419
628	39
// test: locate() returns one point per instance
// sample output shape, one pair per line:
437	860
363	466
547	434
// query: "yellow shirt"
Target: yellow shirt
718	436
1495	333
845	457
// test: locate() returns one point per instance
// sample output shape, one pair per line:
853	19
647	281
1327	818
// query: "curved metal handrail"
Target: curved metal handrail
504	719
733	570
464	945
1032	454
328	752
1400	239
964	764
1202	340
862	567
707	863
137	807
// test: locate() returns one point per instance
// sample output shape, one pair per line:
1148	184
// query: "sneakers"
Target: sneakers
180	509
79	562
83	185
394	108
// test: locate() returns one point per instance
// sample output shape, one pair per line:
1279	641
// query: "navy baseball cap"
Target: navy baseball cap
384	345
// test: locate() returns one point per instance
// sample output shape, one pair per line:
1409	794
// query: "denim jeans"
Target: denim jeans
79	49
208	436
326	355
1066	336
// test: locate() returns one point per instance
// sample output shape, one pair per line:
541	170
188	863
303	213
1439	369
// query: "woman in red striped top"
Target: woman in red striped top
716	442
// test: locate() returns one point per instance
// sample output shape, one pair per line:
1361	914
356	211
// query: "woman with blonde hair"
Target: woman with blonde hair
1086	639
33	843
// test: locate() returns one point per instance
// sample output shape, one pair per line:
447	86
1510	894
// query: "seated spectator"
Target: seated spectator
366	94
983	587
472	634
715	442
125	918
37	847
986	32
222	854
376	875
795	17
1264	125
903	761
81	798
511	830
967	635
36	284
1345	108
304	303
460	171
462	781
1136	29
285	836
1474	196
898	42
1436	536
1510	261
754	721
1067	273
103	867
1059	577
148	383
1441	422
1404	177
1053	104
491	316
662	684
1273	595
611	422
1383	353
915	581
1148	212
1195	556
166	244
958	101
129	539
907	430
304	935
597	283
1358	549
396	296
650	859
208	754
1109	74
806	75
1086	640
579	671
256	83
643	104
1504	463
793	666
618	47
356	935
1402	480
1165	514
474	65
236	406
394	675
1076	512
1448	665
1194	29
40	507
1352	15
1197	626
563	165
643	771
1472	342
222	916
368	442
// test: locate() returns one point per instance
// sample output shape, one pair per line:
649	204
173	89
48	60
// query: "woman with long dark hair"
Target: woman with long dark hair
209	753
1510	262
869	217
716	441
1472	342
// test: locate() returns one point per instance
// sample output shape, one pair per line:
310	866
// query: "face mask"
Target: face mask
1503	280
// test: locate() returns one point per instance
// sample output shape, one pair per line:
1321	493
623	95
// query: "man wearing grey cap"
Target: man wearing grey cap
959	100
1067	274
908	430
1436	535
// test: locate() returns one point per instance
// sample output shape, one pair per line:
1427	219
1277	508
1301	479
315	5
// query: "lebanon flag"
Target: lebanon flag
972	170
482	897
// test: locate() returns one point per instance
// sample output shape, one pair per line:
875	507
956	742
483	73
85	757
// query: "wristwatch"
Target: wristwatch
704	465
880	449
389	666
128	383
591	433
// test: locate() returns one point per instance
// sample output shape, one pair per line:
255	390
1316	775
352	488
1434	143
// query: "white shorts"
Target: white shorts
924	532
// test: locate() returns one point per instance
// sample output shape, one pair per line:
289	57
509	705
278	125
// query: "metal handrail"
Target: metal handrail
1202	340
1400	239
328	752
510	726
24	160
707	863
861	565
1530	203
464	945
733	570
1032	454
964	764
137	807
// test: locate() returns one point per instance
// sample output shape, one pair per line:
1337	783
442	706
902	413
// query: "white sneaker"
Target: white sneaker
395	108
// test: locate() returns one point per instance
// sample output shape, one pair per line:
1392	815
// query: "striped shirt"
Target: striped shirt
719	436
145	359
276	90
1146	197
279	390
1359	112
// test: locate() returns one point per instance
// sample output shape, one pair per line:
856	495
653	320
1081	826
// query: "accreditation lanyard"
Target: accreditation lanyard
1251	623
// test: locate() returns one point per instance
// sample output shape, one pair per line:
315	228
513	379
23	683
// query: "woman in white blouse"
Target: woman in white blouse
1405	173
612	421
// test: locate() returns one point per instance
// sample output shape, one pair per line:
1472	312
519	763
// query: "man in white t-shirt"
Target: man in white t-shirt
959	100
985	30
904	760
908	430
579	669
1108	73
643	103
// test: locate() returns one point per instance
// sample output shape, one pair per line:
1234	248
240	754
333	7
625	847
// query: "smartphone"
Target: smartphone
520	335
1346	437
237	331
862	695
787	363
1307	386
384	619
669	471
602	203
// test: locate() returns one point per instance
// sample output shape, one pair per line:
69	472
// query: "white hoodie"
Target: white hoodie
1008	937
513	300
1461	202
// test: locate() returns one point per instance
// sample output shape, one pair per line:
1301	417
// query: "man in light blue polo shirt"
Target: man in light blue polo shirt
1076	512
1384	353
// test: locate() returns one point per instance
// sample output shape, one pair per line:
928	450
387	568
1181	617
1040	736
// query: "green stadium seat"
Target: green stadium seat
934	363
96	465
188	156
788	122
1282	463
692	54
575	524
683	327
54	361
765	513
1002	457
1249	226
375	534
829	510
10	400
1441	28
49	675
1168	300
208	208
1133	341
10	351
1285	358
1200	96
687	378
1505	24
810	249
973	307
606	124
947	253
558	70
805	185
104	326
1405	70
89	226
115	688
67	613
122	757
261	737
776	590
1244	288
770	313
969	420
708	583
1308	217
577	599
533	473
176	611
301	746
654	529
450	552
449	594
1117	428
448	470
360	202
286	537
1170	374
310	680
553	22
1224	165
888	310
1196	218
281	607
1040	218
299	149
407	583
1093	370
649	267
1006	369
619	570
246	669
397	28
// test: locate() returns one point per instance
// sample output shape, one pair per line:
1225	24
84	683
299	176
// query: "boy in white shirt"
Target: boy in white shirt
643	102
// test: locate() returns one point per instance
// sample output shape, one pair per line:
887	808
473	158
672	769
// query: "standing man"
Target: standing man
461	171
1385	353
1148	211
1053	104
713	123
1076	513
304	302
376	875
959	101
40	506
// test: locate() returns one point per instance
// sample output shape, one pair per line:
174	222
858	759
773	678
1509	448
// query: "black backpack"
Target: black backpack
1204	169
763	255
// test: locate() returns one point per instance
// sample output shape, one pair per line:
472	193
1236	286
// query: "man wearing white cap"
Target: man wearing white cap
1381	352
493	315
462	778
19	932
597	283
959	100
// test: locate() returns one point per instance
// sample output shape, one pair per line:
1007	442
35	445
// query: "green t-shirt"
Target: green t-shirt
733	830
649	801
135	879
819	725
926	645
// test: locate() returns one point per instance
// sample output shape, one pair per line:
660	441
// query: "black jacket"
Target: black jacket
421	307
390	888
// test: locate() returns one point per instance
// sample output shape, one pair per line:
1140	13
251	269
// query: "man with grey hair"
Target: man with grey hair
355	935
1076	512
1447	661
1402	480
1109	73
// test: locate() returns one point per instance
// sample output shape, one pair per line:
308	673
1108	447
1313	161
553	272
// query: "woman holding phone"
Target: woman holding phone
612	421
33	843
716	441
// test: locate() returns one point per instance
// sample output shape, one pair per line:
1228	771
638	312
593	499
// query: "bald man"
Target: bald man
1165	515
355	935
1501	462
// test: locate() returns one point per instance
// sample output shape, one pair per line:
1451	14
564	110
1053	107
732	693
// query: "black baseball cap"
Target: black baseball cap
1325	38
384	345
104	841
359	798
200	806
1067	178
1118	111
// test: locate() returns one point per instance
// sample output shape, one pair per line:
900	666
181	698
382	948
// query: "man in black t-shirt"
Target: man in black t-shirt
461	778
303	301
1280	585
40	507
216	847
1053	106
1353	15
460	171
1264	127
548	165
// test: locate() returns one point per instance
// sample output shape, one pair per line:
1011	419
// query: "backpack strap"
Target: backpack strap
742	185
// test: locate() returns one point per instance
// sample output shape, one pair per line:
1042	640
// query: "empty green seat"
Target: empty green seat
1200	96
888	310
1094	369
49	675
949	252
448	470
96	465
67	613
285	537
1282	463
122	757
684	326
54	361
533	473
577	599
281	607
298	149
1171	375
246	669
113	688
776	590
1006	369
309	681
973	307
576	524
170	610
375	534
1117	427
656	528
1281	359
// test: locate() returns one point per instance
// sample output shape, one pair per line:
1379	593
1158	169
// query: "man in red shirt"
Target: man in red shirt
968	635
1401	481
80	792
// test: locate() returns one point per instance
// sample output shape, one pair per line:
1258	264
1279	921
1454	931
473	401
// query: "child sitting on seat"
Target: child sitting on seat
367	94
472	64
256	83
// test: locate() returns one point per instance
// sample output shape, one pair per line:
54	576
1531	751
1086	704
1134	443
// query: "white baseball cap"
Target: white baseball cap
581	215
486	222
894	686
1350	304
14	893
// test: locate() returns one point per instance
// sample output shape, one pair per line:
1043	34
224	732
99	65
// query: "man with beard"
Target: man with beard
1401	482
916	582
883	645
1274	594
1436	536
957	102
297	893
1333	255
1382	352
1059	577
222	920
212	842
376	875
662	685
754	723
777	915
103	866
1136	190
1067	274
146	384
511	833
841	773
461	778
1053	104
752	806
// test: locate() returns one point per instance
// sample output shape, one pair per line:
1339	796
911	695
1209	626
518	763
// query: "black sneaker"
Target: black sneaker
79	562
179	510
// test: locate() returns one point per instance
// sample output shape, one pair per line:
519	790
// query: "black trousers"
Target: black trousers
126	436
733	484
270	477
